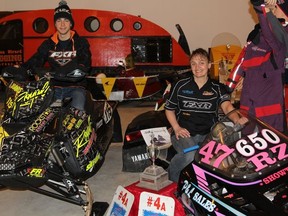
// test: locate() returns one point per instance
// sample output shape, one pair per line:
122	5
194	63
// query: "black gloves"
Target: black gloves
257	2
254	35
228	89
72	72
15	73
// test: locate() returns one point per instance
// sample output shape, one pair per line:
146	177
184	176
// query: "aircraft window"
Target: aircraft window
40	25
92	24
11	30
116	25
137	26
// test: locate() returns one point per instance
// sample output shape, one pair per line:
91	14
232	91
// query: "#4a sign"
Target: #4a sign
121	203
152	204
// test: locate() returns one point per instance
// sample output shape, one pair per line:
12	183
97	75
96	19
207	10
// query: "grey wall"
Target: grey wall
201	20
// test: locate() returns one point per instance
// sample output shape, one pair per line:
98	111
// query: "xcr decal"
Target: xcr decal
63	57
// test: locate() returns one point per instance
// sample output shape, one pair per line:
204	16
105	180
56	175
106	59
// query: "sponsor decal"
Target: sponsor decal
63	57
139	157
28	98
188	92
198	197
275	176
204	202
208	93
194	104
256	48
84	137
93	162
91	140
36	172
42	120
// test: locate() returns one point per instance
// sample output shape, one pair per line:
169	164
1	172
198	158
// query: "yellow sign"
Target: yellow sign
140	83
108	84
222	55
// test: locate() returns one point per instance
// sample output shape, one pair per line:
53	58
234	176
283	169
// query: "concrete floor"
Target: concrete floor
103	184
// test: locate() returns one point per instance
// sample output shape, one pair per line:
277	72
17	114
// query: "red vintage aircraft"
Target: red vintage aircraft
129	53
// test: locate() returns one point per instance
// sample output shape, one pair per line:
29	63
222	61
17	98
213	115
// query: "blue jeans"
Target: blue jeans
181	159
77	94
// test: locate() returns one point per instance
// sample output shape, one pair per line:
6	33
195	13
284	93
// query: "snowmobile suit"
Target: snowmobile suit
261	63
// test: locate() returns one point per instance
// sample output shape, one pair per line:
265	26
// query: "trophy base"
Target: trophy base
154	178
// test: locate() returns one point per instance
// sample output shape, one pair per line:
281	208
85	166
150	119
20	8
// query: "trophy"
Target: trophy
154	177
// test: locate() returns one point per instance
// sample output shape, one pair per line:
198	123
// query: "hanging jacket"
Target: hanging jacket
261	63
262	50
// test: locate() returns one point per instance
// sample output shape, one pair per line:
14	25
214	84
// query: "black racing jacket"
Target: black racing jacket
62	55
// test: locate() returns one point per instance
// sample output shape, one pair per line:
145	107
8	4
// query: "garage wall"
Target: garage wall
203	21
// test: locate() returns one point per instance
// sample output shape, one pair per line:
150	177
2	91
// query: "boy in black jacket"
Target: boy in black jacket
64	51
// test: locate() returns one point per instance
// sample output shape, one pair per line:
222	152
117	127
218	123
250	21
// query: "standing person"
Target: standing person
64	51
192	109
261	64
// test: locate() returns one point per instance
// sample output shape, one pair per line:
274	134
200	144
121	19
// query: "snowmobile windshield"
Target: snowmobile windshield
243	152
